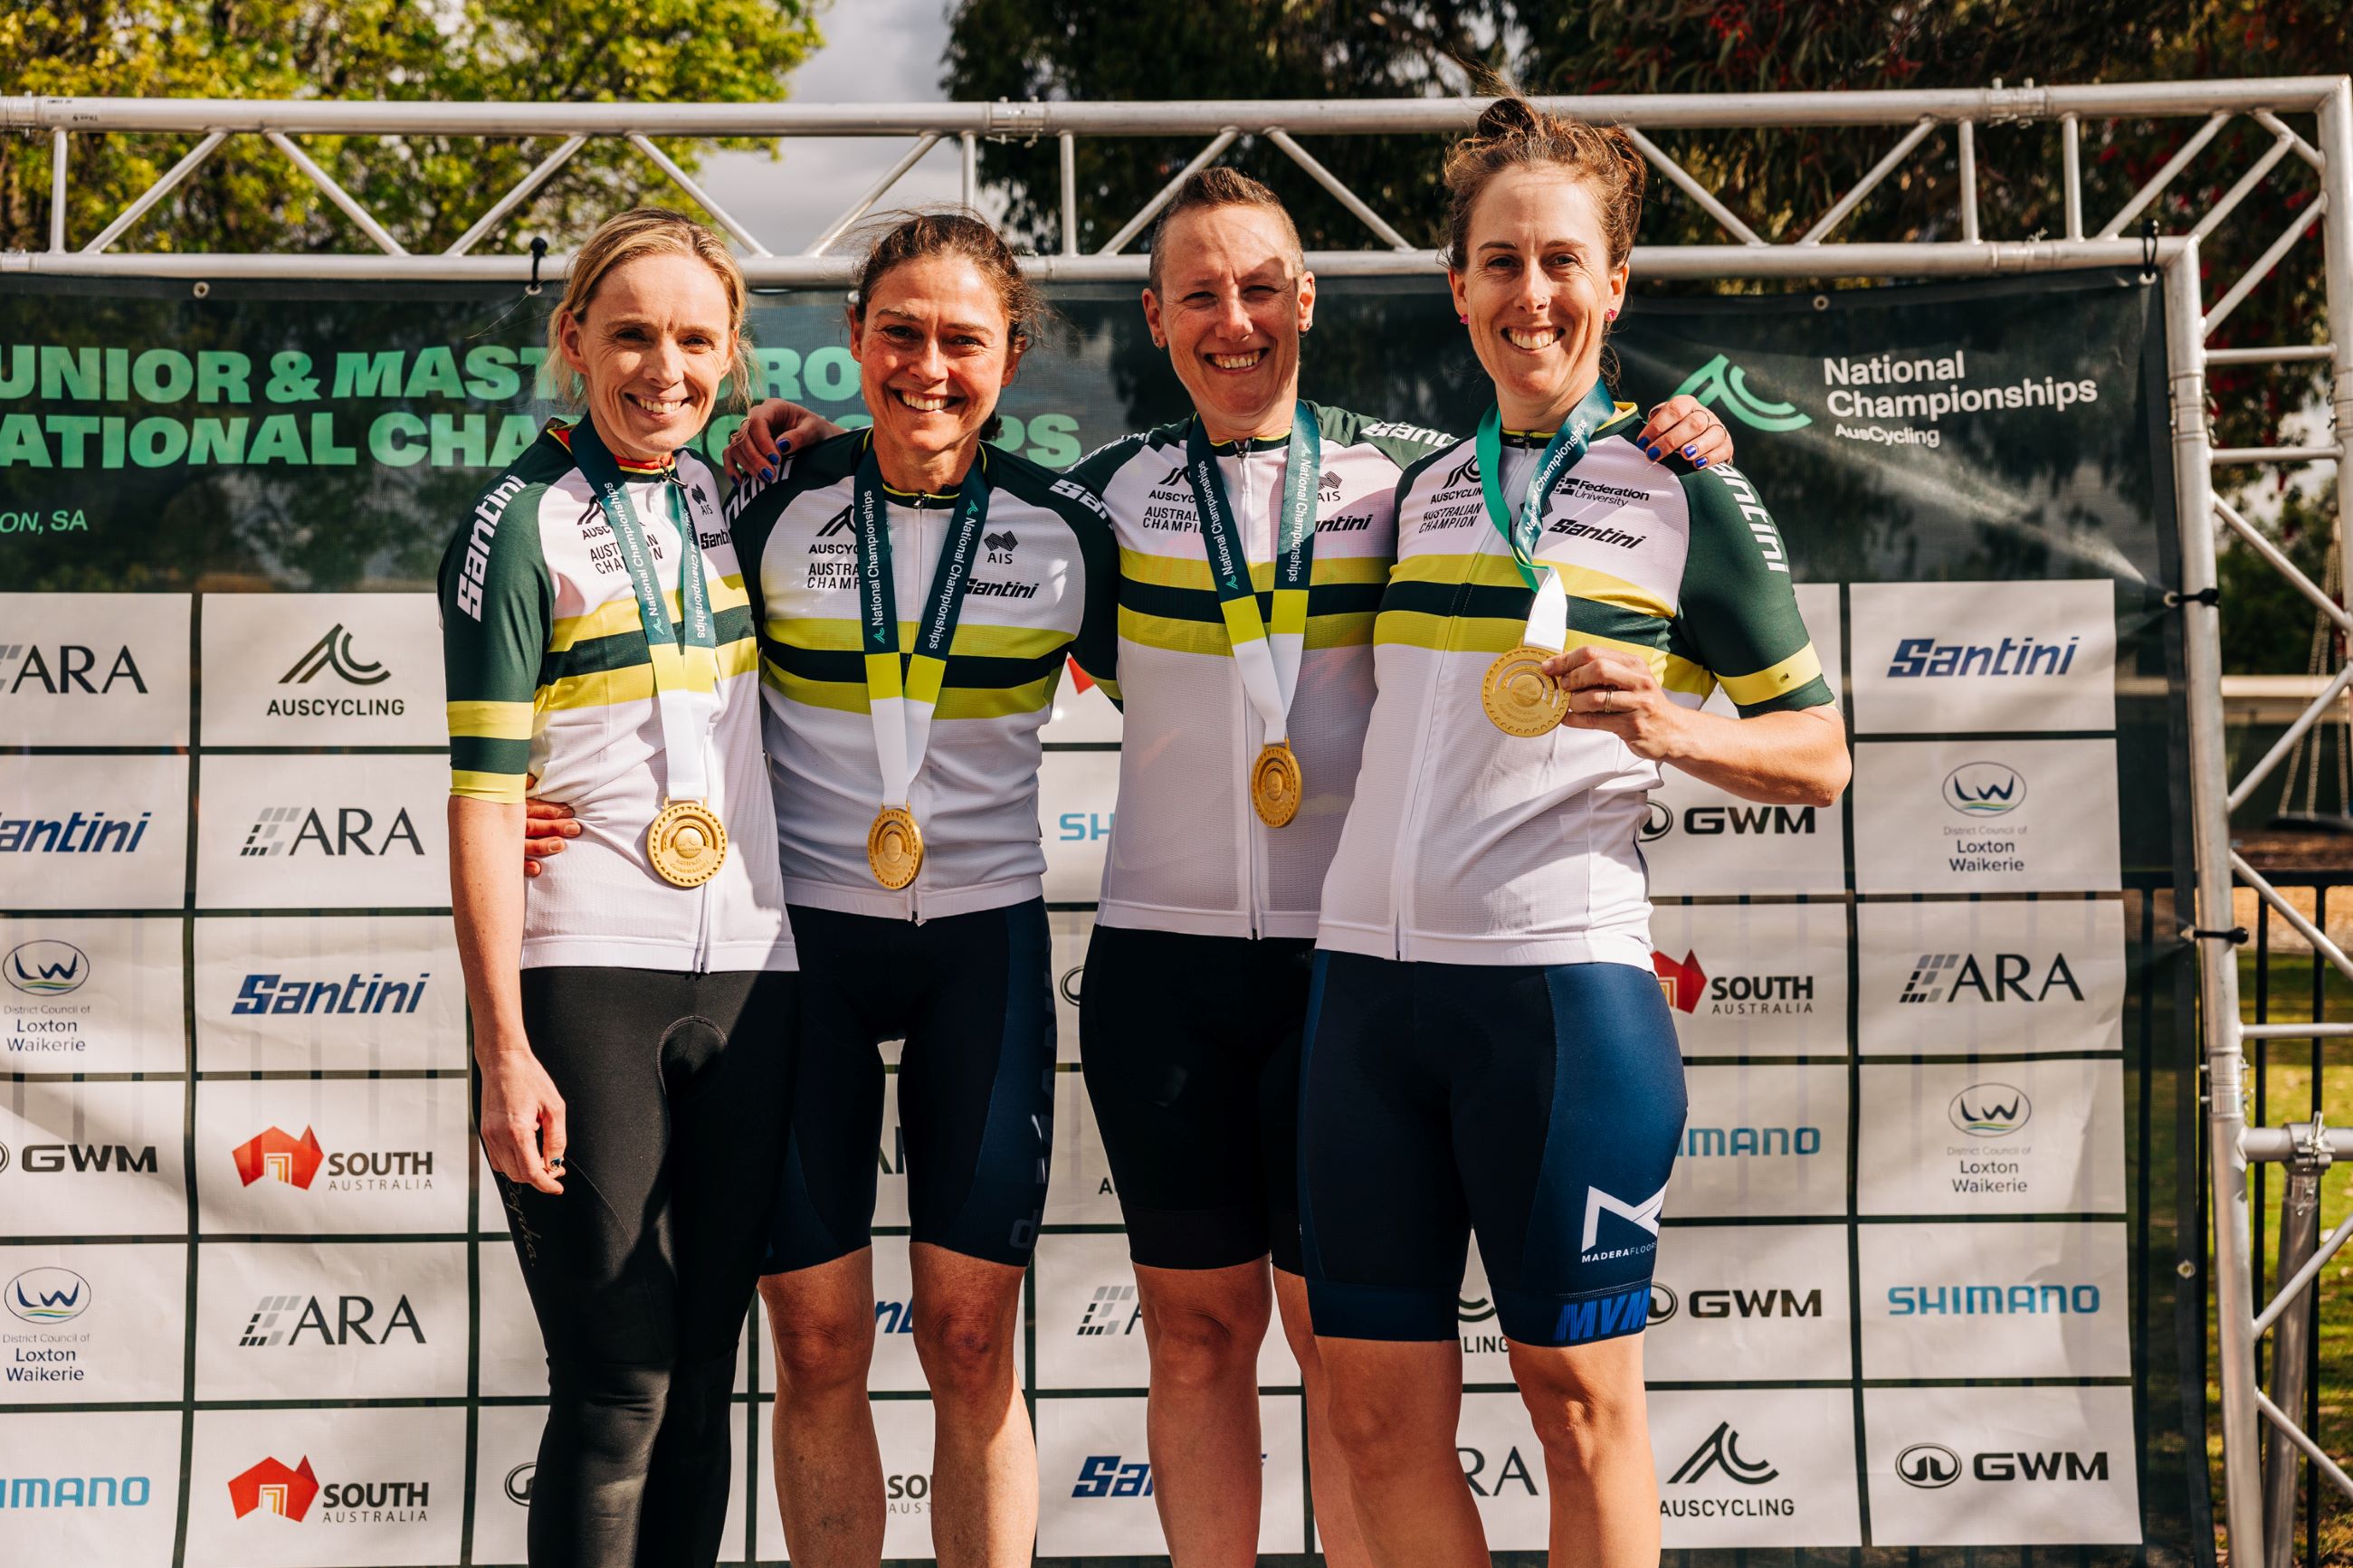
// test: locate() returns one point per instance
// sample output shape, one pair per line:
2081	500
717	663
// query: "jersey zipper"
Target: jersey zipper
1400	881
1243	811
921	559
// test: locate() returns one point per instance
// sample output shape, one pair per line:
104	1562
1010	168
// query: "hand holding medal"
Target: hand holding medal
1617	692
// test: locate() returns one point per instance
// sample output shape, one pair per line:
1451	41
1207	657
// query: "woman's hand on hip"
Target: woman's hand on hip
522	1118
547	827
1617	692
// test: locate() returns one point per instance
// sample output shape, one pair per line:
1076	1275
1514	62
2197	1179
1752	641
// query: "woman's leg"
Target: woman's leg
984	1459
1327	1471
1587	1405
1202	1327
1394	1407
829	1467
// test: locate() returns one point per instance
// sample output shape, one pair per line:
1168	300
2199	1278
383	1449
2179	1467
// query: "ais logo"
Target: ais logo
271	1488
46	968
1985	789
278	1155
48	1296
1991	1109
1721	382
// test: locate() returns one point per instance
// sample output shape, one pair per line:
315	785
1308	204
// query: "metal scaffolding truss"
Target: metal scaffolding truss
2322	156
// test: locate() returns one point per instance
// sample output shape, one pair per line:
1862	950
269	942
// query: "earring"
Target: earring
1464	320
1610	315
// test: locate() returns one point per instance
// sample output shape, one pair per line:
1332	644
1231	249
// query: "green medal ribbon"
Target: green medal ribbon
1560	454
1268	658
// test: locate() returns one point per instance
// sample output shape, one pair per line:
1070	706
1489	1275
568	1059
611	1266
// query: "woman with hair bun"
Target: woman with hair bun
1487	1048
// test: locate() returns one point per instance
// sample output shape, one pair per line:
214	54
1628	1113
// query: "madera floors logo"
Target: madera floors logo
1688	987
275	1154
271	1487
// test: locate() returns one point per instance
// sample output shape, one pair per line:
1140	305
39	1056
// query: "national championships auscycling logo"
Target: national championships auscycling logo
1720	383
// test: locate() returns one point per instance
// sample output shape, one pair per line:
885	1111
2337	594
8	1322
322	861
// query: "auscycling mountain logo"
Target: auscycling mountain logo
1721	383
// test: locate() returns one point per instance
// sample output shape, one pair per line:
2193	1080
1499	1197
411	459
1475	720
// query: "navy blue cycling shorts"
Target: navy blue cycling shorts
971	996
1539	1106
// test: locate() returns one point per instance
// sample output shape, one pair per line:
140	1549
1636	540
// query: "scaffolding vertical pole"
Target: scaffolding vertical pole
2218	960
57	191
2336	145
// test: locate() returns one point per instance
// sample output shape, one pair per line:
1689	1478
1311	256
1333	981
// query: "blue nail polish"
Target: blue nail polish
767	473
1654	451
1691	451
1700	464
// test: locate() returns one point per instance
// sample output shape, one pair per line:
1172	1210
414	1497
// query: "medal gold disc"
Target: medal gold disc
687	844
894	847
1519	697
1275	784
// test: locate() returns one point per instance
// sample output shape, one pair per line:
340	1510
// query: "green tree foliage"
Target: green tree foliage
426	190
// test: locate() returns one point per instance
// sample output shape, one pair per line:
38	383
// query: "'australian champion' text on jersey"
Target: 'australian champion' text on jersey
1045	551
1190	853
1469	846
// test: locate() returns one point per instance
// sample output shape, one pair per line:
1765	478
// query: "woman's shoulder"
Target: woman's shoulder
1027	481
1441	467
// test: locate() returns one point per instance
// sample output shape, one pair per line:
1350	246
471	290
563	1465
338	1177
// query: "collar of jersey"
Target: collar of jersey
1253	443
563	434
926	498
1541	438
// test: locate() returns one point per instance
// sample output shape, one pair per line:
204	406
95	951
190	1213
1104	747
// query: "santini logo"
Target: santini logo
348	998
1991	1109
350	835
1984	789
1112	1474
1720	381
97	835
333	652
1916	658
47	1296
46	968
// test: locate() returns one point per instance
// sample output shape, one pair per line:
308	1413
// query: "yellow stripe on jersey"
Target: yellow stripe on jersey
505	789
1792	672
605	688
490	721
1479	571
972	640
1193	571
621	614
1346	628
954	702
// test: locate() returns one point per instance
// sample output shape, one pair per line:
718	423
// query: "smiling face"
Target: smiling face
935	349
1232	301
652	346
1537	282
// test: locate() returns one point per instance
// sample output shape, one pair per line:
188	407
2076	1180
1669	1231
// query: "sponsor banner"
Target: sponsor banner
1732	1303
1505	1466
1756	1467
324	832
333	1156
1991	979
1988	1467
1993	1300
323	669
1096	1488
94	833
1076	792
336	993
1697	840
93	1159
2031	1137
1940	657
1761	1141
1090	1320
91	1486
1986	816
93	670
1069	930
1757	980
101	995
891	1159
386	1320
326	1489
506	1463
1079	1190
903	1430
92	1324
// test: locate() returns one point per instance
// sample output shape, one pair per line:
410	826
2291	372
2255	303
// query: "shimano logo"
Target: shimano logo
2031	1299
1924	658
1723	1142
477	568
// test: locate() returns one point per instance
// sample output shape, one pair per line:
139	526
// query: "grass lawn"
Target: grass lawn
2286	1088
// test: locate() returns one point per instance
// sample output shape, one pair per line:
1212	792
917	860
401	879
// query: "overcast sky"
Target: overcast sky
876	51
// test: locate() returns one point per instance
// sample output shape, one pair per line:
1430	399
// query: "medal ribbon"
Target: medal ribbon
685	656
1548	617
901	705
1268	658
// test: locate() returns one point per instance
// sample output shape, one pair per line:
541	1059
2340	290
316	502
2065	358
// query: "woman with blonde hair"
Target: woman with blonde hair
632	1008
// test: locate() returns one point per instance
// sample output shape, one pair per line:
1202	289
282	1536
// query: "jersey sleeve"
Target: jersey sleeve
1402	443
1096	647
752	510
497	608
1737	612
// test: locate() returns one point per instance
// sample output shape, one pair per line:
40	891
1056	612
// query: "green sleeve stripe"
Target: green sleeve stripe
470	753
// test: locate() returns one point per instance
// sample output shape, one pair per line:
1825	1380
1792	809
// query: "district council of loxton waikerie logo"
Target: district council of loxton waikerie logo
271	1488
48	1296
1985	789
46	967
278	1153
1720	381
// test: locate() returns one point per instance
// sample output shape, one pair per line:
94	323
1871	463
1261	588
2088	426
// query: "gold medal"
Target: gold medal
1275	783
1519	697
687	844
894	847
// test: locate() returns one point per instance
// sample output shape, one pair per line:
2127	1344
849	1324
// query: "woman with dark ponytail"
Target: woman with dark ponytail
1487	1048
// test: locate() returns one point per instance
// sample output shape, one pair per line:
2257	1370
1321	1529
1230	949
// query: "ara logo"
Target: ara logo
1644	1215
1720	381
1991	1109
1683	983
66	669
1513	1472
1947	977
284	1320
1985	789
333	652
48	1295
271	1488
1721	1451
1112	1474
837	523
292	830
280	1156
1113	1310
46	967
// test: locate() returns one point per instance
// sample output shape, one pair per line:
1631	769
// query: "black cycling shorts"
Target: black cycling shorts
972	997
1190	1046
1539	1106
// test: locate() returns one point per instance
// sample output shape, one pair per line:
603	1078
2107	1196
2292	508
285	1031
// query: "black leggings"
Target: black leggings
674	1091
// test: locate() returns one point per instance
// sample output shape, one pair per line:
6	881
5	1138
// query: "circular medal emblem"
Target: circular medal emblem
894	847
687	844
1276	785
1519	697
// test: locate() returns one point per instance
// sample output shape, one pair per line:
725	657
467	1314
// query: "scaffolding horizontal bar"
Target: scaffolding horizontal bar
2276	455
2278	1144
1304	117
2283	355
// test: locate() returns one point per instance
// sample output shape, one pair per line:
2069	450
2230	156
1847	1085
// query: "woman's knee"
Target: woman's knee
820	1351
1383	1423
966	1348
1198	1347
1583	1402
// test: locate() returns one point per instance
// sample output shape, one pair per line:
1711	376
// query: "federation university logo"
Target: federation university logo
333	652
270	1487
1720	381
45	967
281	1156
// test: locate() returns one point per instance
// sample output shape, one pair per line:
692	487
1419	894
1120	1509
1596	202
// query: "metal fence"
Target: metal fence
2282	108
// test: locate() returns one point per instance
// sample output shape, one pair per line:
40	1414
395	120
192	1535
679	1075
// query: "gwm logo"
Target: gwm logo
281	1156
46	968
1991	1109
1721	382
271	1488
1928	1466
333	652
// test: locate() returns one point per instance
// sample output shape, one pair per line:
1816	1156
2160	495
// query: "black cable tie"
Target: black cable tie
538	254
2236	936
2209	597
2148	249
